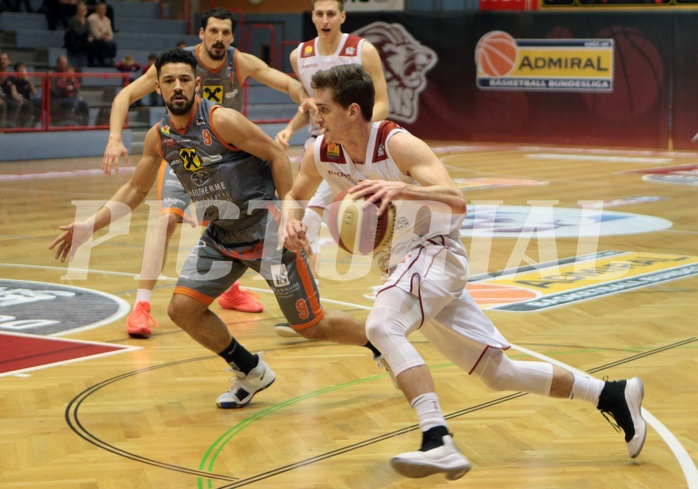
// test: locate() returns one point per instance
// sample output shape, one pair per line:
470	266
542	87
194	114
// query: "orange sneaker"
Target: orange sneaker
240	300
139	321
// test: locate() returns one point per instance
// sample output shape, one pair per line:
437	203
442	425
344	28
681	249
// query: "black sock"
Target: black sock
236	355
433	438
375	351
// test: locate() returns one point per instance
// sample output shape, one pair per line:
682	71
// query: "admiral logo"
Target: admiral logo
406	63
333	151
350	51
190	159
557	65
381	150
554	284
169	142
46	309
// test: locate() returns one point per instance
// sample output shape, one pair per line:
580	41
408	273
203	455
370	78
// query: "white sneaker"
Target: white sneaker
285	330
622	400
446	459
246	386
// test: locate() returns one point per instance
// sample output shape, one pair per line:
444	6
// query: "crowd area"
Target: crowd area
88	25
21	93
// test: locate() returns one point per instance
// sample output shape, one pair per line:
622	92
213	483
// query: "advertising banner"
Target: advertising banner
508	4
373	5
595	79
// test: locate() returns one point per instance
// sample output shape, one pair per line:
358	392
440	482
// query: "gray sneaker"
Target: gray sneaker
246	386
442	459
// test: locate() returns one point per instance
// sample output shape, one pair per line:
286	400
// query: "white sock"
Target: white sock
429	411
143	295
586	389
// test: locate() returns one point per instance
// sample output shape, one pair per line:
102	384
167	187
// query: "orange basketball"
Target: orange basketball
357	230
496	53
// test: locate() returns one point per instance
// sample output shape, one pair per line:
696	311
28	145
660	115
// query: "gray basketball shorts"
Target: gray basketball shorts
212	267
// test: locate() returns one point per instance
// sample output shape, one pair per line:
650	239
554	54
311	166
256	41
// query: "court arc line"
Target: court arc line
687	464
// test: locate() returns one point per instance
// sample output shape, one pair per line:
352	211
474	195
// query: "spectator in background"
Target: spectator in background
23	92
129	65
77	38
18	4
67	107
91	4
8	105
58	11
151	99
182	44
4	65
103	36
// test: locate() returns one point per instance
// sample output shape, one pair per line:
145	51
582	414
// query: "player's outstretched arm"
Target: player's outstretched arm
255	68
131	93
127	198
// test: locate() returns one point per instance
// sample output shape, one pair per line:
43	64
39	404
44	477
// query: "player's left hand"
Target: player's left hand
378	192
293	236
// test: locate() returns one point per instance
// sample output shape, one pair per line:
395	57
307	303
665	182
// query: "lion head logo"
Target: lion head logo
405	63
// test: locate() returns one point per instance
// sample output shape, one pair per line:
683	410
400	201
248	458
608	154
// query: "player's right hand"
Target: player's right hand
115	150
283	137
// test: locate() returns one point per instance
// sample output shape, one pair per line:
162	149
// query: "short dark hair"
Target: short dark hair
19	64
217	13
340	2
175	55
350	84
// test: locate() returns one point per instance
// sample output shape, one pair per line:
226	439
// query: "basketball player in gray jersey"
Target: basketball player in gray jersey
223	70
226	163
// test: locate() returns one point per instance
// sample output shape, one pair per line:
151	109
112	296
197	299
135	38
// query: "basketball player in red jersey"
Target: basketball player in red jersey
427	273
330	48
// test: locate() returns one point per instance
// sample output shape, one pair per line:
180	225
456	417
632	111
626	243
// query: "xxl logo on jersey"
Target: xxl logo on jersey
191	160
406	63
214	93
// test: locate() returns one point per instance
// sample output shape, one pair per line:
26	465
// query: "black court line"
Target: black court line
73	420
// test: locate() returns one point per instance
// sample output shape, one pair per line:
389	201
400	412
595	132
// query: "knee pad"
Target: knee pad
500	373
312	221
392	318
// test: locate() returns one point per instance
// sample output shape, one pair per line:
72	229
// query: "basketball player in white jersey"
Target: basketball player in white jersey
223	70
330	48
427	273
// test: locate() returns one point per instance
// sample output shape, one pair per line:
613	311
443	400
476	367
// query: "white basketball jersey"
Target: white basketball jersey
414	222
310	61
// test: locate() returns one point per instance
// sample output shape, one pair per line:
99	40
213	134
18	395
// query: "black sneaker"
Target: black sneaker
622	400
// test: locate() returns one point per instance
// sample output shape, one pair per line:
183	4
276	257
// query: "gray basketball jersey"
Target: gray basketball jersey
220	86
215	174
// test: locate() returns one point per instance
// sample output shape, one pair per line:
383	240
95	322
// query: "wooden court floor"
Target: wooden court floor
613	294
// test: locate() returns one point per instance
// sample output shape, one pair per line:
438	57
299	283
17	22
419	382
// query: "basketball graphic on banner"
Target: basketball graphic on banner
638	75
496	53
